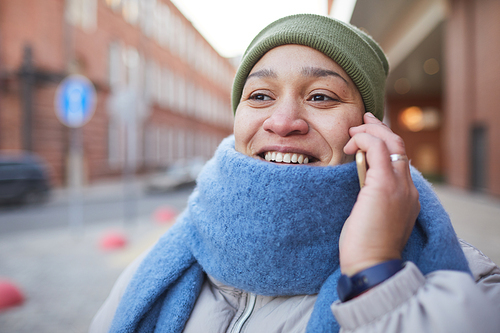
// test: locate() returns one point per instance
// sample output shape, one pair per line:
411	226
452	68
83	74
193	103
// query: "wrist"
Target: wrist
353	269
352	266
349	287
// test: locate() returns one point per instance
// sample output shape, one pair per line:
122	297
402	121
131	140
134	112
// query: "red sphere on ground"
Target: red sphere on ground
113	240
164	215
10	295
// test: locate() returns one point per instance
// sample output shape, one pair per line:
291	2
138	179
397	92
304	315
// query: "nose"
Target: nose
286	120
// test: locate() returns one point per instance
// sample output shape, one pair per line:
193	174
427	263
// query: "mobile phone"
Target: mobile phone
361	165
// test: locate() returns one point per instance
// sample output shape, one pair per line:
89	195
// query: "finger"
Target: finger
378	154
394	142
370	119
378	129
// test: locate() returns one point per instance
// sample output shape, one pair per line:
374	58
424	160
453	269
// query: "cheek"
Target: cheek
239	135
245	128
338	132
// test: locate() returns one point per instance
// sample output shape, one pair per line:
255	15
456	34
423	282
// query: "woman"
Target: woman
277	236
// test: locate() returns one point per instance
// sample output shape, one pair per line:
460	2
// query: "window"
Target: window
165	96
181	37
139	145
190	47
189	144
82	13
116	144
170	148
181	144
172	91
205	111
190	98
198	100
115	65
174	34
132	60
181	94
150	148
148	82
157	23
163	36
163	146
146	17
130	11
198	50
158	82
114	4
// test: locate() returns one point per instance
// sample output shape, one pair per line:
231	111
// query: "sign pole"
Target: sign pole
130	197
75	101
75	175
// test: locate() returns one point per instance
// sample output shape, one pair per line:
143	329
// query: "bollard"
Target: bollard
165	215
113	240
10	295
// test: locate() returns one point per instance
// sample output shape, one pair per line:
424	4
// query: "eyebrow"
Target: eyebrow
306	71
263	73
321	72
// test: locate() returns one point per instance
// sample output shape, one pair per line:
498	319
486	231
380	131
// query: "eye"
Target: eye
321	98
260	97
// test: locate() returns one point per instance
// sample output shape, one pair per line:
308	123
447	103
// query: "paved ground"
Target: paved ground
475	217
66	278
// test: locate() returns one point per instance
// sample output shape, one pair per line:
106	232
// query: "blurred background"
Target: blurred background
81	197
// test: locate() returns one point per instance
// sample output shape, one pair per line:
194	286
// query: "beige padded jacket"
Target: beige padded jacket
443	301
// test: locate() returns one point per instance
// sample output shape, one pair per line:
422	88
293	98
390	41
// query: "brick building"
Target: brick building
147	63
442	89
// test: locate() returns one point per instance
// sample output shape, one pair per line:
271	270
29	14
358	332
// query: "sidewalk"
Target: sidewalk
104	190
475	217
65	279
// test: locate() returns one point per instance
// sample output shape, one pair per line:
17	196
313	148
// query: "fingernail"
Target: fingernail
369	114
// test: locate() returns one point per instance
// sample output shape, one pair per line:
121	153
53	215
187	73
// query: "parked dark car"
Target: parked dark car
23	178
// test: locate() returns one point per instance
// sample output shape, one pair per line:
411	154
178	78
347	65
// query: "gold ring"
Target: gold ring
398	157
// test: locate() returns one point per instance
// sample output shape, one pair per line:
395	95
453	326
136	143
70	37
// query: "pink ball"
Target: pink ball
10	295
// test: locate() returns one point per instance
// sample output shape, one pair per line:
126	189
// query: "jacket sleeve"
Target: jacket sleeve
102	320
442	301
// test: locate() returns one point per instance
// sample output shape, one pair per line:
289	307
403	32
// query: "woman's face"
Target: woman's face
297	107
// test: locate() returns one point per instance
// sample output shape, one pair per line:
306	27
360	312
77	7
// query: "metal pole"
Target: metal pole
27	82
130	195
75	178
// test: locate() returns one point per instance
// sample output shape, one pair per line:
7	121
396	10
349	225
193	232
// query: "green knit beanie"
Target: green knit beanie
352	49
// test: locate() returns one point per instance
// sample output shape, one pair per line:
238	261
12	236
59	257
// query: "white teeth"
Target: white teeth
286	157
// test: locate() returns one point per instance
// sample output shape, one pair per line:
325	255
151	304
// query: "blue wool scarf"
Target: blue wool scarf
271	230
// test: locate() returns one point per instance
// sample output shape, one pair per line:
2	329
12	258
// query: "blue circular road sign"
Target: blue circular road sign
75	101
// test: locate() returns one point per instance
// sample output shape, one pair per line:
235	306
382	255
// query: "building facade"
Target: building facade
163	93
442	89
472	142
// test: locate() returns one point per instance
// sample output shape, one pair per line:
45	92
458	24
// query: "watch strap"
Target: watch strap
350	287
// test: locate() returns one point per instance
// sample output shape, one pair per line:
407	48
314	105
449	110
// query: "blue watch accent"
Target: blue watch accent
350	287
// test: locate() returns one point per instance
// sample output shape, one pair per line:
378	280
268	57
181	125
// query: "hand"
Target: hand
387	207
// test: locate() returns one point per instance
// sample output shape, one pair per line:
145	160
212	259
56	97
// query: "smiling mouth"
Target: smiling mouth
289	158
